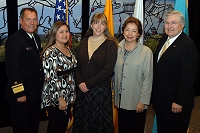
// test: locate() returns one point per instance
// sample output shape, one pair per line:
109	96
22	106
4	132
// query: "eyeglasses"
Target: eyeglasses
29	20
173	23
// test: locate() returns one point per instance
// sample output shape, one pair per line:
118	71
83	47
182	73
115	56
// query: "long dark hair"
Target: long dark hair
51	40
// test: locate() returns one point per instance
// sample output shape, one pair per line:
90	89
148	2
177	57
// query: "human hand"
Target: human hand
21	99
62	103
82	86
140	108
176	108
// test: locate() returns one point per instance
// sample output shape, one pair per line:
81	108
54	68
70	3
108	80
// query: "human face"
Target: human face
98	28
62	35
173	26
29	22
131	32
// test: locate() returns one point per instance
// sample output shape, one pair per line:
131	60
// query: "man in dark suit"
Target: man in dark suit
23	67
174	76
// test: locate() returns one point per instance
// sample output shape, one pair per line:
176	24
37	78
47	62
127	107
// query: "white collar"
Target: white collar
171	40
30	35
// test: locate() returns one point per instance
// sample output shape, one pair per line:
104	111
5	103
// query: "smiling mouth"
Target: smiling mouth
129	37
98	30
32	27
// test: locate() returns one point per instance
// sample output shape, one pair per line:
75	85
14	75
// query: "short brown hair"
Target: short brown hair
132	19
27	8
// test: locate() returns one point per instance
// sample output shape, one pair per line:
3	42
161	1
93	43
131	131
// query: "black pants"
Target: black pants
58	120
173	122
25	116
131	122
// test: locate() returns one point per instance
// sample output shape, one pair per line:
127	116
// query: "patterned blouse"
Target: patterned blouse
126	53
58	77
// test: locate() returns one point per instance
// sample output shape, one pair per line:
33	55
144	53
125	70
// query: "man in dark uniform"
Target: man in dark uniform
23	67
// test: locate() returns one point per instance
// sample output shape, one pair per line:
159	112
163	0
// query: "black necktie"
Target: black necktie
33	45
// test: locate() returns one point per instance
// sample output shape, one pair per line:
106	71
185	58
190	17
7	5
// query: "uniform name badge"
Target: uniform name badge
18	88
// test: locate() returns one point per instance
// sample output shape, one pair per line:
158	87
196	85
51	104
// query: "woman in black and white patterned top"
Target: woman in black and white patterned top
59	86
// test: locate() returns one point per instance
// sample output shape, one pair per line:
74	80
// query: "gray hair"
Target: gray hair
172	12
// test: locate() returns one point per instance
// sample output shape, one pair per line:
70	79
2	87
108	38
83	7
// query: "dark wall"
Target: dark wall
85	16
12	28
12	18
194	19
194	29
4	108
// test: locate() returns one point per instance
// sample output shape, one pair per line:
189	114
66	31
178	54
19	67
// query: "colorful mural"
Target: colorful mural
153	18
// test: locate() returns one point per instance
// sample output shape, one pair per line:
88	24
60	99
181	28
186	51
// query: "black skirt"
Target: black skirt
93	111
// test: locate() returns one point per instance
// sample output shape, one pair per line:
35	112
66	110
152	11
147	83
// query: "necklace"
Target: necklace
129	47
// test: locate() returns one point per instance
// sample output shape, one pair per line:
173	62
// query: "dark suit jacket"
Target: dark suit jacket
175	74
23	65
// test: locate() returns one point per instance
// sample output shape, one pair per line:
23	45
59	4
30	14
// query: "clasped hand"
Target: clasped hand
176	108
82	86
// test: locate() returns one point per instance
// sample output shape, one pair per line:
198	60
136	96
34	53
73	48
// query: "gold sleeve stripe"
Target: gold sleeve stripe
18	88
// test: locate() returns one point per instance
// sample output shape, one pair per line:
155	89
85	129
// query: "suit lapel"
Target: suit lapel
25	38
161	43
170	49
